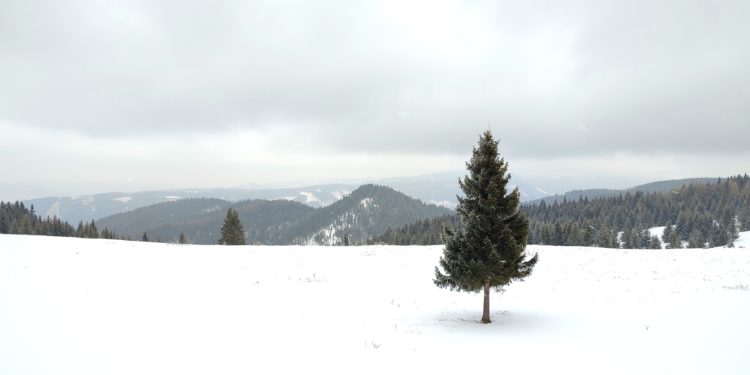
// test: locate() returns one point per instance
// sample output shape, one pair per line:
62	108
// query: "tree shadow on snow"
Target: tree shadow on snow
502	321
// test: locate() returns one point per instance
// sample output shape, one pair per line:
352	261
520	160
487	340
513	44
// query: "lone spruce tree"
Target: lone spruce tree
232	232
490	251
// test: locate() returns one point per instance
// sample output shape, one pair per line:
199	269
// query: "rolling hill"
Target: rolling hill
368	211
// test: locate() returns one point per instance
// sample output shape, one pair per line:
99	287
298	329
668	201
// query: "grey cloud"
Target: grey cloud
551	80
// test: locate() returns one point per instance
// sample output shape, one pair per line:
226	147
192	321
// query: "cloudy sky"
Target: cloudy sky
129	95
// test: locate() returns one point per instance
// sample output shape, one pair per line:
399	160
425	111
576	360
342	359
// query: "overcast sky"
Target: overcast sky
129	95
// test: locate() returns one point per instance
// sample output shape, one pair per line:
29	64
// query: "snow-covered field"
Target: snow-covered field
72	306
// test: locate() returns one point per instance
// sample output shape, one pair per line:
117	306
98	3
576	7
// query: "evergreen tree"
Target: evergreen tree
675	241
145	237
182	240
232	232
717	235
574	239
604	237
644	239
655	242
93	232
588	235
559	238
666	236
734	231
696	240
490	251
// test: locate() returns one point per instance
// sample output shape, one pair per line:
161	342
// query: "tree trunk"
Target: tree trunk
486	310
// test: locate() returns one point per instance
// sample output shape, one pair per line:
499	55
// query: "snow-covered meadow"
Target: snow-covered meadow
73	306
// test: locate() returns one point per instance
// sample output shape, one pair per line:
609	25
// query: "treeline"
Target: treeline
695	215
701	215
422	232
16	218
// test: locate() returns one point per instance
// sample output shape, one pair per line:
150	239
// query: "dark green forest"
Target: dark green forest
15	218
696	214
704	215
422	232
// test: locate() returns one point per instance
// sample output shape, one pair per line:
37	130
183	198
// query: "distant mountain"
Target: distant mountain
439	189
367	212
442	188
96	206
652	187
671	185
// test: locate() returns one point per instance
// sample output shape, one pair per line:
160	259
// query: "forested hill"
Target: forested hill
421	232
651	187
16	218
703	214
367	212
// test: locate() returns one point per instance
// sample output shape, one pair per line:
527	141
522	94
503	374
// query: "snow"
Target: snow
75	306
444	203
658	232
123	199
367	203
310	197
328	234
211	209
172	198
744	241
339	194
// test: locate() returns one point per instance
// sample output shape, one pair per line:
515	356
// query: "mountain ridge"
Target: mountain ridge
437	188
649	187
366	212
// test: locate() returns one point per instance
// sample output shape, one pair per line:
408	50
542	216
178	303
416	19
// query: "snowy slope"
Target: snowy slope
73	306
744	241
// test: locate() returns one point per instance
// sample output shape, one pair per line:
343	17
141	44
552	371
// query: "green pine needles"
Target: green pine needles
232	232
490	251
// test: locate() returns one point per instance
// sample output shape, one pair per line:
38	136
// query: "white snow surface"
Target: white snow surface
75	306
444	203
339	194
309	197
367	203
123	199
744	241
658	232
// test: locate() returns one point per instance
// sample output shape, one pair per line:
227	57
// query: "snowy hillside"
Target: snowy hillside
72	306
